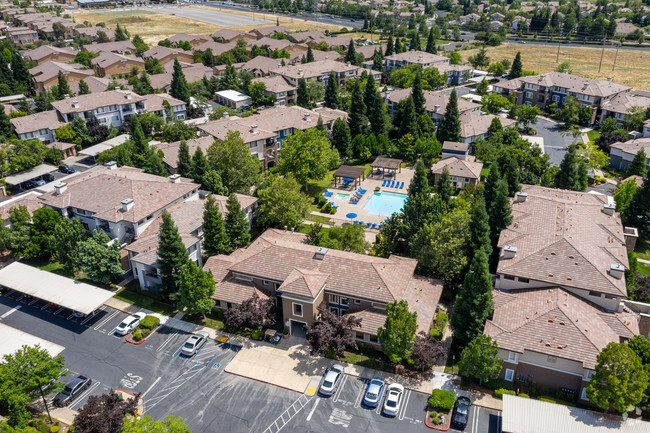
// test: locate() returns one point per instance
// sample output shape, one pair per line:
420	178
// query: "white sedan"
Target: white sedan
130	323
393	399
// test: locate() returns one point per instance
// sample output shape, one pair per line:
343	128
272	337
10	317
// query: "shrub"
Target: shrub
442	399
149	322
332	211
54	429
439	325
523	395
543	390
42	427
498	383
331	353
498	393
327	208
219	313
137	335
321	201
257	334
556	401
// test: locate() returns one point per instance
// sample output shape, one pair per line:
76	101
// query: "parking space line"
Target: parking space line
94	313
84	394
150	388
33	302
313	409
59	310
167	341
405	402
339	390
297	406
44	306
475	420
357	402
13	310
103	322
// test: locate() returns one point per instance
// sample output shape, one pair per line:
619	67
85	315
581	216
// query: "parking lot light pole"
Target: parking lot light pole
40	388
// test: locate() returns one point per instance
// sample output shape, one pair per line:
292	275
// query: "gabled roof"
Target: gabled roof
573	83
564	238
170	150
50	69
45	50
417	57
556	323
462	168
633	146
275	84
93	101
180	37
107	59
475	123
216	47
154	101
33	122
434	101
624	102
116	47
304	282
159	52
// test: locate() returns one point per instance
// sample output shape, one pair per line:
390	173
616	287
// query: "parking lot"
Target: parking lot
197	388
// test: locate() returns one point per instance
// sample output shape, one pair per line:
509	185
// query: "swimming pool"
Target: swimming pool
341	196
385	203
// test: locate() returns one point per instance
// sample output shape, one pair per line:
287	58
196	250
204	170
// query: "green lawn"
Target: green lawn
369	361
593	135
320	219
643	269
642	249
129	295
451	367
210	321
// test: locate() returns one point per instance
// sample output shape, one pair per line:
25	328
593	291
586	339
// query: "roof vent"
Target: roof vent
225	115
253	128
436	108
306	116
566	71
299	71
127	204
75	103
60	188
609	208
521	197
175	178
127	95
320	253
509	252
616	270
112	165
609	79
420	58
586	84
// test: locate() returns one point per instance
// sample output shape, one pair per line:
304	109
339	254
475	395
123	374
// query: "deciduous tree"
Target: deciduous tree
104	413
398	333
65	240
637	213
624	195
282	203
332	332
195	290
307	155
98	258
146	424
44	222
427	351
233	161
479	359
254	312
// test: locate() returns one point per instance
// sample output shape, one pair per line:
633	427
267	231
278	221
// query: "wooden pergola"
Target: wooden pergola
393	165
349	173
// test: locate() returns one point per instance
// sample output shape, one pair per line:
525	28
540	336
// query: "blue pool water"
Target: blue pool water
385	203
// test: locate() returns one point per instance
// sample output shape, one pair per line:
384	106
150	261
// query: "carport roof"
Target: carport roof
72	294
13	339
32	173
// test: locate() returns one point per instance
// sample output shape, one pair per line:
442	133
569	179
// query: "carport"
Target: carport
14	339
65	292
32	173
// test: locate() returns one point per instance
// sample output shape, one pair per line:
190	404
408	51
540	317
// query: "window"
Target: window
595	294
529	95
590	374
345	301
524	280
42	131
357	302
374	339
265	282
512	356
509	277
583	394
334	299
510	374
359	335
297	309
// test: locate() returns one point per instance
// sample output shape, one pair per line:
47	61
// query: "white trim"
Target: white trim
583	394
306	301
509	372
293	309
551	368
514	359
291	321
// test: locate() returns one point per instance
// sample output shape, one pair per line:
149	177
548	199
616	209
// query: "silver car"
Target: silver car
194	343
331	380
130	323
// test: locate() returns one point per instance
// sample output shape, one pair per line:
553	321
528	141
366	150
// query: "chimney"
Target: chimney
253	129
320	253
436	108
299	71
306	117
348	63
175	178
566	71
609	208
60	188
616	270
586	84
386	94
609	79
509	252
75	104
225	115
630	234
127	204
420	58
66	96
127	95
521	197
112	165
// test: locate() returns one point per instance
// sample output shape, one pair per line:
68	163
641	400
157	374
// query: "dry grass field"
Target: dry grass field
153	26
632	66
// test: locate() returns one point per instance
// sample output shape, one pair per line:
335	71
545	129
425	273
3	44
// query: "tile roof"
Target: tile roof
228	34
455	146
263	64
304	282
154	101
556	323
193	72
272	44
107	59
275	84
418	57
564	238
180	37
371	320
433	99
314	69
117	47
633	146
36	121
159	52
170	150
573	83
458	167
29	200
50	69
100	190
95	100
93	32
623	102
475	123
216	47
45	50
95	84
270	31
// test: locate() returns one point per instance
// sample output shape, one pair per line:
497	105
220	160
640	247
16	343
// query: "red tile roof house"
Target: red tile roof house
302	277
560	280
121	201
188	217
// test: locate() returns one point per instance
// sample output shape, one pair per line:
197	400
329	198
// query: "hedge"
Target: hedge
149	322
439	325
257	334
556	401
522	395
498	384
442	399
498	393
137	335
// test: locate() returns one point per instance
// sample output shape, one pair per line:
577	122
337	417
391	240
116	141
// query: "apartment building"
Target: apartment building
408	58
283	92
109	108
435	103
41	126
46	74
320	71
109	64
46	53
165	55
621	154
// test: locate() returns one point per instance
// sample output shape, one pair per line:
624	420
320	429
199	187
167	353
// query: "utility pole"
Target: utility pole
602	54
615	56
45	402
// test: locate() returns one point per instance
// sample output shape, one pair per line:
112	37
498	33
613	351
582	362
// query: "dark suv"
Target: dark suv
72	390
66	169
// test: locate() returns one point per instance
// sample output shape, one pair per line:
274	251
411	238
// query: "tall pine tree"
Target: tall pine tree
572	173
491	183
415	42
351	54
172	256
63	86
303	94
638	164
420	182
374	107
236	224
516	68
444	188
332	98
450	127
310	55
21	74
83	88
479	229
418	93
499	214
200	166
341	138
357	117
390	49
431	43
184	160
637	213
215	238
179	88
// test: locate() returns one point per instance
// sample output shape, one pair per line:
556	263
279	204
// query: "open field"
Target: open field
154	26
631	65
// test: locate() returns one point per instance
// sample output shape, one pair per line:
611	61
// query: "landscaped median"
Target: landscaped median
441	404
147	326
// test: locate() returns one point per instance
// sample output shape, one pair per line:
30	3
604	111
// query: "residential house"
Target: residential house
435	103
46	75
193	72
98	84
518	22
555	87
121	201
165	55
319	55
467	18
109	64
38	125
171	150
119	47
267	32
46	53
283	92
455	149
274	44
463	171
194	40
261	66
110	108
233	99
622	104
301	278
265	131
93	33
217	48
332	42
320	71
231	36
21	36
476	124
188	218
456	74
29	200
621	154
496	16
155	103
407	58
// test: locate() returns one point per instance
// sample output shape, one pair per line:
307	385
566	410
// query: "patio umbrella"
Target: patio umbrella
351	215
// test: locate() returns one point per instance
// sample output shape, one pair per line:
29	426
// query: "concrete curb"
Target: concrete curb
426	422
263	381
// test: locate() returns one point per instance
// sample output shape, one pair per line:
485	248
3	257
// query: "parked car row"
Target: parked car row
47	177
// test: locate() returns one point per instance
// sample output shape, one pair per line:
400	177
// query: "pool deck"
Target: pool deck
371	182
